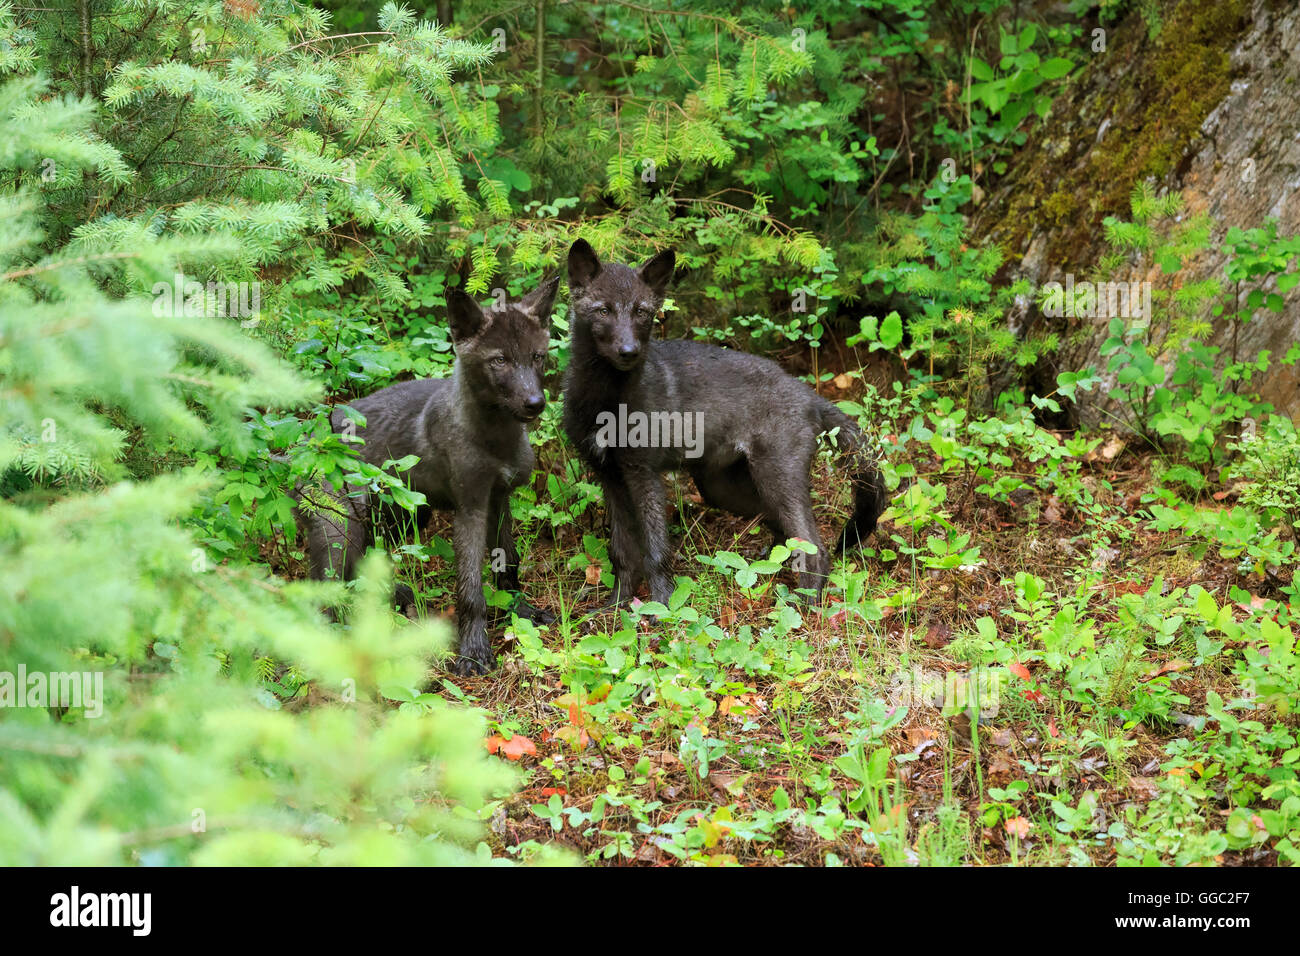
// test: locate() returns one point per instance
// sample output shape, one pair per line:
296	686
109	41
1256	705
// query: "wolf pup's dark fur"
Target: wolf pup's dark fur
470	436
759	426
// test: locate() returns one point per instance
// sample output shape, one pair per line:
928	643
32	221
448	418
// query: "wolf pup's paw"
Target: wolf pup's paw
474	661
537	615
616	598
404	600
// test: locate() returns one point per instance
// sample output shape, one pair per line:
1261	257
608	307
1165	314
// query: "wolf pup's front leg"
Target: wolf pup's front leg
474	654
505	557
624	546
646	490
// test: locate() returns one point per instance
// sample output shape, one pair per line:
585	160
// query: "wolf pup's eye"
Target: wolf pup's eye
497	361
603	310
538	356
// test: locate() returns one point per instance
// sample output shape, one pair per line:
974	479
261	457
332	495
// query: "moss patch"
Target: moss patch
1190	69
1155	93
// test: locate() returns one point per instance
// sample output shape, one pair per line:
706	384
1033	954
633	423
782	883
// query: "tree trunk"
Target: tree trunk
1229	142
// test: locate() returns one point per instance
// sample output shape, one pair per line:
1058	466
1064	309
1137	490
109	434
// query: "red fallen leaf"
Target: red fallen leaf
1051	727
554	792
1033	695
1019	669
1220	495
1018	827
1130	587
511	749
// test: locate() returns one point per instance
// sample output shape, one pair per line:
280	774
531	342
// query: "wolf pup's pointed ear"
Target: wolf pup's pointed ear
537	304
584	265
658	271
467	319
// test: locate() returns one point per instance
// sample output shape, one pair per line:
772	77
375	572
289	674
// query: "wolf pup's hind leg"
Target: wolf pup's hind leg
338	528
780	475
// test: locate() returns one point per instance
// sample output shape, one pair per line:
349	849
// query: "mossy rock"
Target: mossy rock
1133	114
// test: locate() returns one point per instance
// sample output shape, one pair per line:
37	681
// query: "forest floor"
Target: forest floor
755	730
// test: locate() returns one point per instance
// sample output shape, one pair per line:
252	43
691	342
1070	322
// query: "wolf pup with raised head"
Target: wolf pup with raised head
744	429
469	433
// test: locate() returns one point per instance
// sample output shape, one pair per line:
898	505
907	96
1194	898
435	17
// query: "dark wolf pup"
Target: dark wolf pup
470	436
744	429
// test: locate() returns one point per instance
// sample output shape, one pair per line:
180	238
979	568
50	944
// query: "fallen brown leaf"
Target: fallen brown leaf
1144	788
1168	667
938	635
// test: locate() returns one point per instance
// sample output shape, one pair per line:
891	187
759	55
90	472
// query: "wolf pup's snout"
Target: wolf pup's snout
534	404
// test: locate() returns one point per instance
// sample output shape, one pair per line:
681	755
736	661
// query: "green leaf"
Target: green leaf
891	331
1055	68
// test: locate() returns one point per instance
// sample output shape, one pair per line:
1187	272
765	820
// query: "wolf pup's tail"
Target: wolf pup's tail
869	495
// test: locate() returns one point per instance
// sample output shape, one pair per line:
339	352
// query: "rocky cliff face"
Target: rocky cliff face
1210	107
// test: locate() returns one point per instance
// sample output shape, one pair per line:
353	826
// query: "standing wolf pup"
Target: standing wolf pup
759	426
470	436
